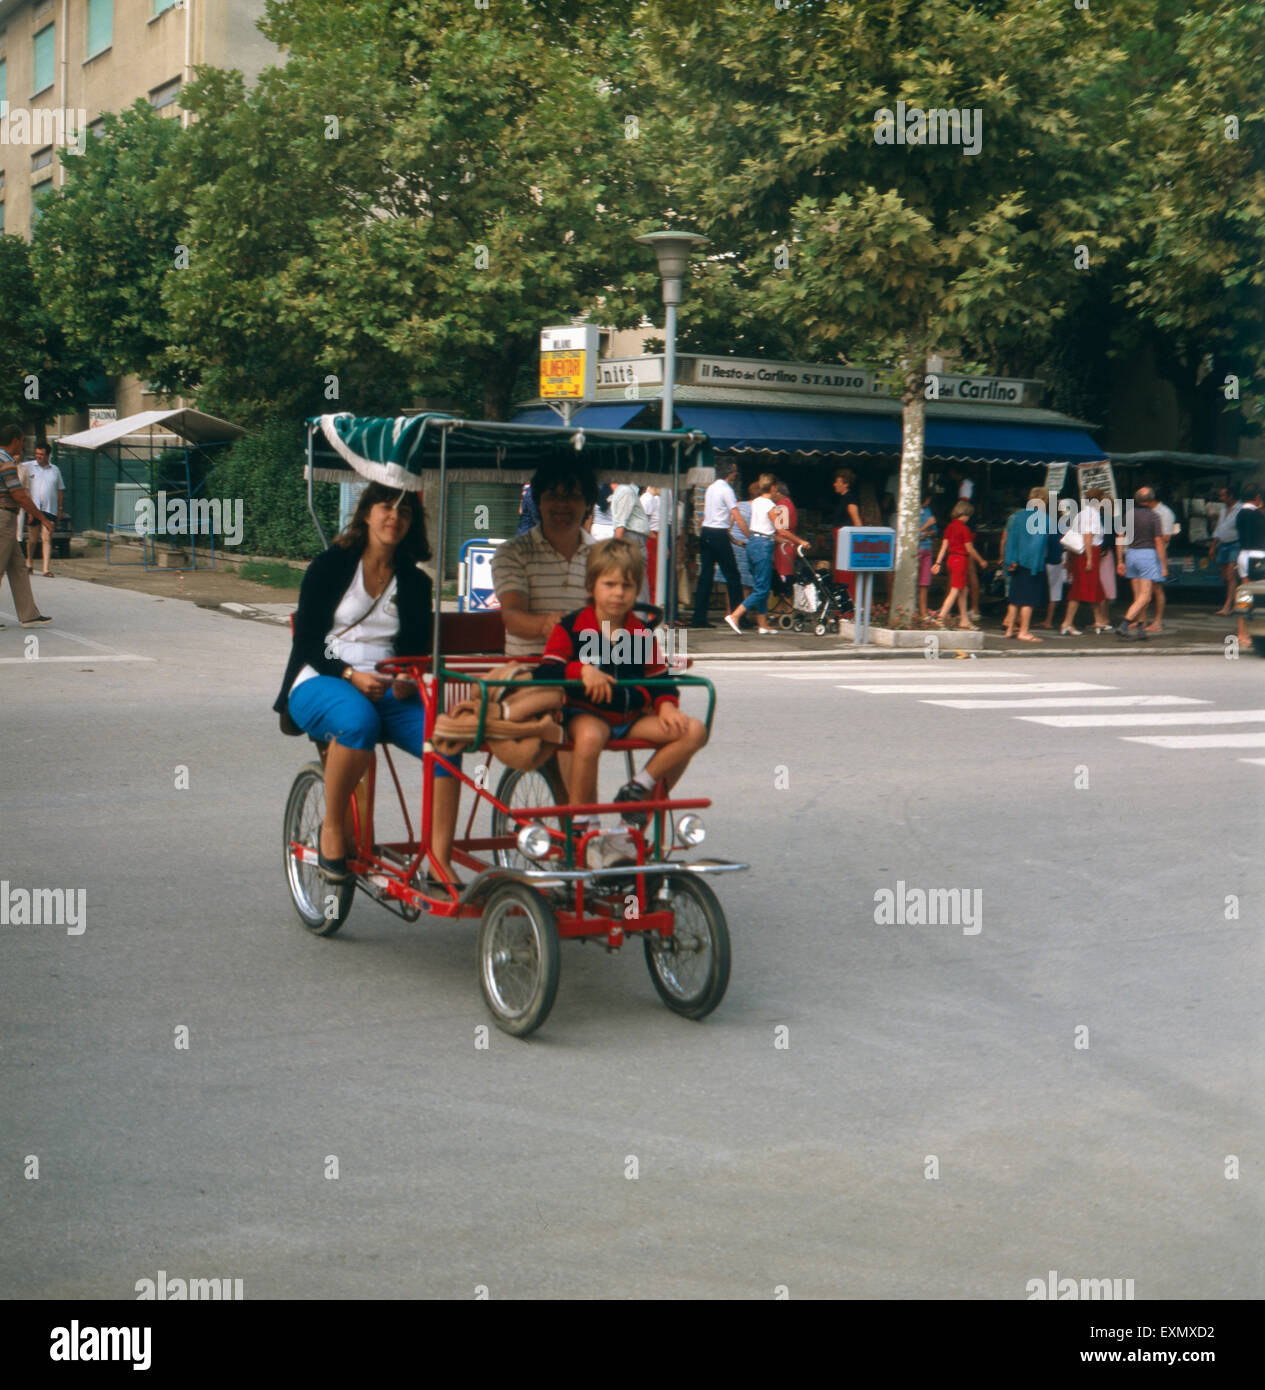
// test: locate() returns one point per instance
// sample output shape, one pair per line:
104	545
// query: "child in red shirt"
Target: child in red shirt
597	645
959	543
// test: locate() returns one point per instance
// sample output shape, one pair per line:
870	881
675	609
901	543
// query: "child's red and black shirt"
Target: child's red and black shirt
628	651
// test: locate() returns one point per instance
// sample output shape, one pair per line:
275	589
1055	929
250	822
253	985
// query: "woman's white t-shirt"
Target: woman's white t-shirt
371	639
761	519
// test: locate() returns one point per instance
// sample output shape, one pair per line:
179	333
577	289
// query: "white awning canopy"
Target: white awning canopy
191	425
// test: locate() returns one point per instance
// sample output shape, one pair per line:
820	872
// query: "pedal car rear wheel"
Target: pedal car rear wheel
322	906
690	968
518	958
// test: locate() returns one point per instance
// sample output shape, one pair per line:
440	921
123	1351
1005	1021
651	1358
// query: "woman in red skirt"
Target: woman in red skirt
1086	576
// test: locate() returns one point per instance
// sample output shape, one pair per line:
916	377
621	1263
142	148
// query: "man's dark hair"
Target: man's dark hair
43	448
1232	489
567	474
9	432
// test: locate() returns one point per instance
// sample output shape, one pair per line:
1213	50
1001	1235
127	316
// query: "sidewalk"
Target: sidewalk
1190	627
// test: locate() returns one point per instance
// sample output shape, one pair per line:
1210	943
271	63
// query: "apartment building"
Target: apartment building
63	63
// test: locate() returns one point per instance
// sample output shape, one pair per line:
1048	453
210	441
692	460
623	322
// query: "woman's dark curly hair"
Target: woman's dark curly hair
413	545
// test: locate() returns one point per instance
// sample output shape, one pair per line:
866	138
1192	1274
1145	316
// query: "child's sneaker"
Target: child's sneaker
610	848
634	791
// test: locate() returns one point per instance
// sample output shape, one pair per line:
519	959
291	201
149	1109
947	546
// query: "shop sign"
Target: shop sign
568	363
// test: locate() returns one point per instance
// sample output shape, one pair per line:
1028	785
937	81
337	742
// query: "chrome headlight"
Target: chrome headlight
533	841
690	831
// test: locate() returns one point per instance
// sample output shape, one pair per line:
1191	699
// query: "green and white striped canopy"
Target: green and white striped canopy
398	451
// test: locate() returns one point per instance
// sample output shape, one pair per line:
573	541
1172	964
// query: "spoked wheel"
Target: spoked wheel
518	958
518	788
820	629
690	968
322	907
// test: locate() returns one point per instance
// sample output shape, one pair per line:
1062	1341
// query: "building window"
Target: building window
158	6
41	159
42	45
97	128
100	26
165	95
38	194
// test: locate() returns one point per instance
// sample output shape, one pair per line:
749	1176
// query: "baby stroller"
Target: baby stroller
818	599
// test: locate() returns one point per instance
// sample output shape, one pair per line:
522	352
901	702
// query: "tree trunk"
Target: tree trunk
909	503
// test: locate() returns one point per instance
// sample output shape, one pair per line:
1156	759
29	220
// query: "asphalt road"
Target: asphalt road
1084	1068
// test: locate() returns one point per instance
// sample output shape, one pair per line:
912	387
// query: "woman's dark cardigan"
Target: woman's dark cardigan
328	578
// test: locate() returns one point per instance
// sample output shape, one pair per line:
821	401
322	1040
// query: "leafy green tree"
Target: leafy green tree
41	375
107	239
892	253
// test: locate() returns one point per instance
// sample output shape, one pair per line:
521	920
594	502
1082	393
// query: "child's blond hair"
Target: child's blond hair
962	509
614	554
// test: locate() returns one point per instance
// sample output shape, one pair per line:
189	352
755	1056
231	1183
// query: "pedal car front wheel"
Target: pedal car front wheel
690	968
518	958
322	906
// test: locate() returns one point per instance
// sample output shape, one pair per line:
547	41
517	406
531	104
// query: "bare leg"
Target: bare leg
590	735
1141	597
344	767
1025	619
447	798
671	760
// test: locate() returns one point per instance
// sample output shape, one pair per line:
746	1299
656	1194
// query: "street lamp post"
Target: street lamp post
672	250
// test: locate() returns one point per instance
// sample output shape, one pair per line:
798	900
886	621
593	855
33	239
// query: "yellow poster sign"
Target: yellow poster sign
562	375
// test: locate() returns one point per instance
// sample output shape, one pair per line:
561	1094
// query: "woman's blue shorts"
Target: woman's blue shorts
326	707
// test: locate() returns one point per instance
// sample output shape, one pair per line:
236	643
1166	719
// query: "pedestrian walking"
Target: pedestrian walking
959	545
652	505
1084	564
720	512
1027	534
928	529
632	524
1251	531
48	492
528	516
1224	550
1142	560
1168	529
764	534
14	498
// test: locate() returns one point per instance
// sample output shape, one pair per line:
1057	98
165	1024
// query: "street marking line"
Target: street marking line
77	660
1260	762
926	670
1202	740
1035	686
1112	721
74	637
1070	701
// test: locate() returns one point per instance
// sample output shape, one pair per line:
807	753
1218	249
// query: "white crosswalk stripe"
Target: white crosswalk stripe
1202	740
1116	721
1067	701
927	670
1058	705
1048	687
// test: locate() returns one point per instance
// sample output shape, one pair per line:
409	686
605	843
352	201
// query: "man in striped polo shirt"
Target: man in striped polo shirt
14	498
539	575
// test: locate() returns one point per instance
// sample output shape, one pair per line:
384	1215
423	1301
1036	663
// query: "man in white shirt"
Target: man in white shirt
1224	550
632	523
720	512
48	492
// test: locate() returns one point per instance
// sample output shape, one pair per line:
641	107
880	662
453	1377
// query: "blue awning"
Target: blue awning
739	430
594	417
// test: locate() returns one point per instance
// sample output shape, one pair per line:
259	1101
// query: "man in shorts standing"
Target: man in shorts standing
1143	560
